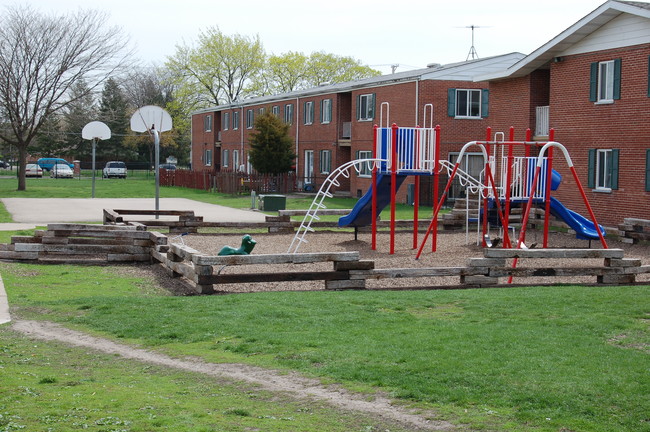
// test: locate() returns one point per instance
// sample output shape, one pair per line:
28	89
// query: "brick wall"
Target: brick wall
581	125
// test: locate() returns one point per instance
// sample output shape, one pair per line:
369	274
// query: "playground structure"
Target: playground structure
515	173
397	153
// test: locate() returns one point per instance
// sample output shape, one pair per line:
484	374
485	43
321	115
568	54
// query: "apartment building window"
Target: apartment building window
309	166
605	81
366	107
326	111
308	113
288	114
325	161
235	120
207	123
225	160
235	160
226	121
262	110
276	110
603	169
207	157
467	103
249	118
366	169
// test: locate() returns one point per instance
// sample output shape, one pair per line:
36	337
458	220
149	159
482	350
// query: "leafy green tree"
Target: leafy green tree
330	68
287	72
271	146
113	111
219	70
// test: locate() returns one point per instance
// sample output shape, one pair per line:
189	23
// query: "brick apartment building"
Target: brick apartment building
333	124
590	84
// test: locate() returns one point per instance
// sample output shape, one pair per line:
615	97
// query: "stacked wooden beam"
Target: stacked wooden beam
84	244
633	230
199	269
616	269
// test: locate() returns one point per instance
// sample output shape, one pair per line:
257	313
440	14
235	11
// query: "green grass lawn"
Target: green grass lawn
563	358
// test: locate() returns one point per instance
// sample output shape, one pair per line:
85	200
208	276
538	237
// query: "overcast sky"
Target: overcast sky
379	33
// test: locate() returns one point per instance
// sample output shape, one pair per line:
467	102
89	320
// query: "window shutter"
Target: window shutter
451	102
304	113
321	111
591	179
617	79
358	107
593	82
647	170
485	95
613	171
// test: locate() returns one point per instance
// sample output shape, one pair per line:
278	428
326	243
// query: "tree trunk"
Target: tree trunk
22	163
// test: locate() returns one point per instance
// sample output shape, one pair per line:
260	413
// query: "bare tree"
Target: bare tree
41	58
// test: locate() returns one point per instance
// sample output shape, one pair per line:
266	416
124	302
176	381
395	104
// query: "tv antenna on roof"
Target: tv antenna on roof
472	51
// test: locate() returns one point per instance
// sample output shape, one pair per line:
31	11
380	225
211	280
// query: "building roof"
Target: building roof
592	22
461	71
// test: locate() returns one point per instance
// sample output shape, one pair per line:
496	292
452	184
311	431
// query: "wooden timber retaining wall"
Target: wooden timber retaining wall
198	268
107	244
84	244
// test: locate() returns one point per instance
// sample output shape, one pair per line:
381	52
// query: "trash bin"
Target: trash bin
272	202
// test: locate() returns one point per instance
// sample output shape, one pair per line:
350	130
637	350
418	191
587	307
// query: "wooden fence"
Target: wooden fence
233	183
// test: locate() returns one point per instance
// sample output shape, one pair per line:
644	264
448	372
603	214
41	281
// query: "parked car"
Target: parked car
114	169
4	164
48	163
33	170
61	171
167	166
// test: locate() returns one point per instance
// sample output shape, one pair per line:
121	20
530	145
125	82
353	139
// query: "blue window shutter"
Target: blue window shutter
485	96
613	171
647	170
591	165
358	107
593	82
648	76
617	79
451	102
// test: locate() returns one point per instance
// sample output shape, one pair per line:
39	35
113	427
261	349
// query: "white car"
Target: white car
61	171
33	170
114	169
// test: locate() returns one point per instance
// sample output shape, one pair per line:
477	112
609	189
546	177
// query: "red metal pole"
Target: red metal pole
393	189
591	212
416	208
436	187
434	220
416	188
485	180
374	191
506	223
524	222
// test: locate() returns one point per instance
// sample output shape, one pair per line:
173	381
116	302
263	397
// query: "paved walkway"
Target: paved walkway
28	213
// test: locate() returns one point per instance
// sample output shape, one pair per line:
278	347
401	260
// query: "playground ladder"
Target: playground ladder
324	192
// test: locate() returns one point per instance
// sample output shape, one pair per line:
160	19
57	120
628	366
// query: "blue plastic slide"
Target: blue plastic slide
361	214
584	228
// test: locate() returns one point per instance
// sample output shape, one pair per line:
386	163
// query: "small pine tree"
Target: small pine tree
271	145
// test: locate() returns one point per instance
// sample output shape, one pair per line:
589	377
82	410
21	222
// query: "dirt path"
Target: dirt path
380	407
